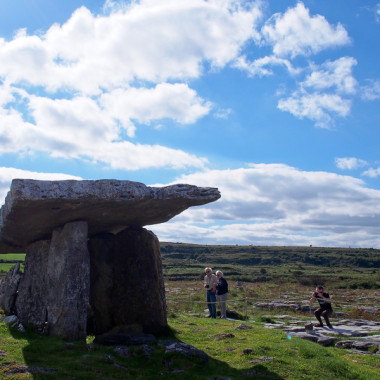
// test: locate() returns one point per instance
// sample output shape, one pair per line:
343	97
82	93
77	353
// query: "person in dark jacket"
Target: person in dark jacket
221	293
324	309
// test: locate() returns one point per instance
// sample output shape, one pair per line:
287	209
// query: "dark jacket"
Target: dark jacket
222	287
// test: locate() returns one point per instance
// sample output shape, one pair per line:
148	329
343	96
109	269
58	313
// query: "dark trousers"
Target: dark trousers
325	314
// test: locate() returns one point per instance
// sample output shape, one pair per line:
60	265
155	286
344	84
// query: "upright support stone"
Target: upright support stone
8	289
68	279
127	285
31	304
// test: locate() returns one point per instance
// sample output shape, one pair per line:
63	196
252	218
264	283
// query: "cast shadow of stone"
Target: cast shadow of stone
47	357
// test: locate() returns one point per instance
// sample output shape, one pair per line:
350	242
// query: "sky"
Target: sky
276	103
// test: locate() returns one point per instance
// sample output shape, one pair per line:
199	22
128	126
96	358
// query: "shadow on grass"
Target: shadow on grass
48	357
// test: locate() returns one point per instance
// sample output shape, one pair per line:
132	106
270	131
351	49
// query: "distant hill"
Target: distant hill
350	267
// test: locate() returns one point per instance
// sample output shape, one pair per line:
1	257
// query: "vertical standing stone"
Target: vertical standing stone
68	279
8	289
127	285
101	282
31	304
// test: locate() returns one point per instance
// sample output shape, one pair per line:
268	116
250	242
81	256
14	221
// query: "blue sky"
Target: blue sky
275	103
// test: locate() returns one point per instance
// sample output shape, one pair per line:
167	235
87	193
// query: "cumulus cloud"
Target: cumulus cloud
372	172
350	163
321	95
80	128
297	33
149	40
7	174
79	89
318	107
333	74
175	101
371	91
278	204
263	66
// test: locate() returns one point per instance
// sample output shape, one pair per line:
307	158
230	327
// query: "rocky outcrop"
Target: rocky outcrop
90	265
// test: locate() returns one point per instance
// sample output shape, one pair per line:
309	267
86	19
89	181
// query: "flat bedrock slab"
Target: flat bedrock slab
33	208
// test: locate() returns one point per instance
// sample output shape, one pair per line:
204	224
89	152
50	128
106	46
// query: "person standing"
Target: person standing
210	283
221	293
324	309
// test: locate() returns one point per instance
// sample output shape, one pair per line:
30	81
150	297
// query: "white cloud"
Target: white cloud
372	172
377	12
262	66
297	33
79	128
280	205
317	106
96	76
174	101
7	174
333	74
350	163
148	40
371	91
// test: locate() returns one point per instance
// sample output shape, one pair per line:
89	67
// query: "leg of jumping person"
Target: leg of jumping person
326	314
318	314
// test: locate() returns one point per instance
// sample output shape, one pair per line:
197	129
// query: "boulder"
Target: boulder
33	209
175	347
326	340
8	289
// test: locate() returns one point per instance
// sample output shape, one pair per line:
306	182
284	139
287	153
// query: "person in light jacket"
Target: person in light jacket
221	293
210	283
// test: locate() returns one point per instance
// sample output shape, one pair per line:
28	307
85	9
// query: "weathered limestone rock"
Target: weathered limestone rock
34	208
8	289
31	303
127	285
68	281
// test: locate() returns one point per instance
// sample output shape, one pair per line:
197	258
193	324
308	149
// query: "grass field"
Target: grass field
271	274
236	354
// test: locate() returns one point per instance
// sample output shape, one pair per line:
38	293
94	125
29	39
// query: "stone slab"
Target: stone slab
33	208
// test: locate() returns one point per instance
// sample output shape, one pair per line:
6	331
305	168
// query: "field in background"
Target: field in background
345	268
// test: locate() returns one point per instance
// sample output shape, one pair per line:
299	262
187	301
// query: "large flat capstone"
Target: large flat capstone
33	209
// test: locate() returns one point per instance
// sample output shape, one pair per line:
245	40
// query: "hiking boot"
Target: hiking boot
329	325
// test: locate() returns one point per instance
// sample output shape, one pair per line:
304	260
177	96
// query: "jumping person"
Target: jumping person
324	309
221	293
210	283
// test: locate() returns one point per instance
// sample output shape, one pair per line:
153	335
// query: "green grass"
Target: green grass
8	260
292	358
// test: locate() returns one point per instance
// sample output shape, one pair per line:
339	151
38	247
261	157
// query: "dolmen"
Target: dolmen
90	267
